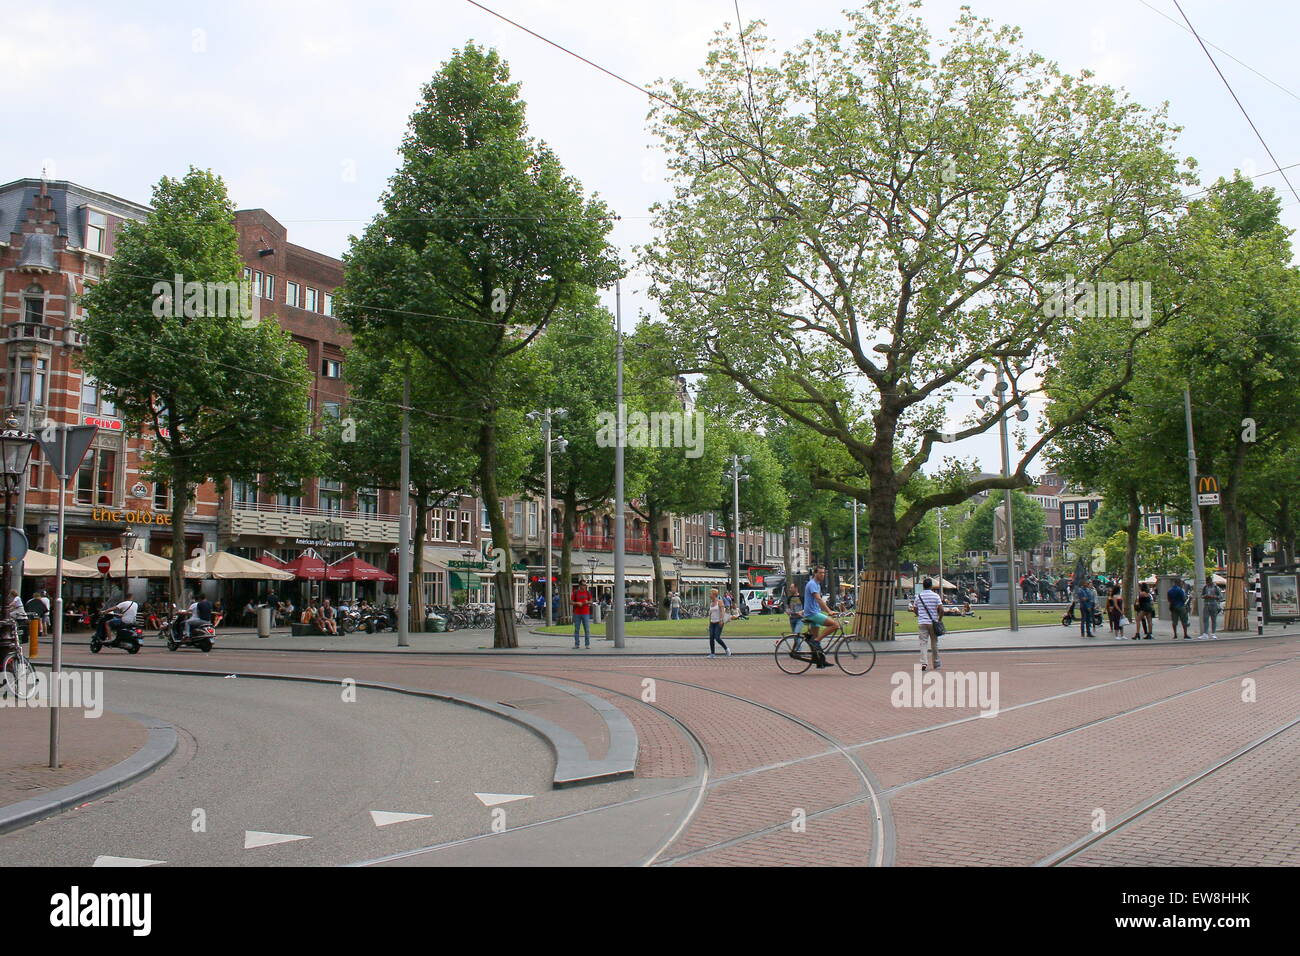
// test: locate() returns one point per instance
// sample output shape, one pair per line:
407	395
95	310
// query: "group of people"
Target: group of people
1087	598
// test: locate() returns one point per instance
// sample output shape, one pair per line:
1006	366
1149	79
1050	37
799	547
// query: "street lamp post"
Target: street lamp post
15	452
1198	537
677	566
939	518
1023	415
128	539
735	475
856	506
560	445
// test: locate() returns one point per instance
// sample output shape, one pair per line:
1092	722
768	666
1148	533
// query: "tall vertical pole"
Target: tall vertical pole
546	437
1013	599
939	516
1198	539
404	519
735	533
56	655
615	624
20	519
857	571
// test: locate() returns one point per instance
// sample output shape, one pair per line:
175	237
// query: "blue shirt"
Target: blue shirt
810	592
1177	596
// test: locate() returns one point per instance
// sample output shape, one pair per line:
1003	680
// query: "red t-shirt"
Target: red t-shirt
581	601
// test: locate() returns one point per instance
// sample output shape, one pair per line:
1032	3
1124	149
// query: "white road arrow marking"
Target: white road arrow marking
124	861
492	799
384	818
254	838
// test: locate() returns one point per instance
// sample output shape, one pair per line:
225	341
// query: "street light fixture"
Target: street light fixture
735	474
677	566
128	542
15	453
856	506
469	556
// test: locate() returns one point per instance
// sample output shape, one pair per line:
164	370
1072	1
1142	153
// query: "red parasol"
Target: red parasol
308	566
353	568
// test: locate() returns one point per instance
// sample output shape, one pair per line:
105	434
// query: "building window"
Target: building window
331	368
368	501
243	493
313	300
34	304
1070	531
288	502
532	519
449	528
1083	510
464	526
291	294
332	410
161	499
517	520
257	284
92	401
96	478
1069	512
27	379
248	275
484	519
329	303
331	495
96	230
268	291
435	523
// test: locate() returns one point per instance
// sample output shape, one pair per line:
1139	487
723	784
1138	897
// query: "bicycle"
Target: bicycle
853	654
19	677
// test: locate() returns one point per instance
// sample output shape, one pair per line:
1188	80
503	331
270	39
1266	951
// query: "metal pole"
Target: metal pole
939	516
1012	598
1259	601
615	625
735	533
20	519
546	437
56	656
857	573
1198	540
404	519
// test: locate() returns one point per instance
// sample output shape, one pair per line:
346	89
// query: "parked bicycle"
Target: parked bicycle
17	676
855	655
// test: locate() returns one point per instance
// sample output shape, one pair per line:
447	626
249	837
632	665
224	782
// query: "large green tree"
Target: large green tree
878	209
1027	522
481	238
222	396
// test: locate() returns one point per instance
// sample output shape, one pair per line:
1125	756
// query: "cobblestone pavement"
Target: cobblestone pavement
1143	755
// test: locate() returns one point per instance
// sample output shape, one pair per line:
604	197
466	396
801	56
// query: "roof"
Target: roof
67	197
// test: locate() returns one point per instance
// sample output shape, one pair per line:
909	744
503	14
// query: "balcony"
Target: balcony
596	542
283	521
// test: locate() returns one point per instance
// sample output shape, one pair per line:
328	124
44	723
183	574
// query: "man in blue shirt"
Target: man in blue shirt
1177	599
817	615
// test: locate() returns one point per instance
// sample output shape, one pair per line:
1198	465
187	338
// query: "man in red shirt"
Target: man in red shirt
581	600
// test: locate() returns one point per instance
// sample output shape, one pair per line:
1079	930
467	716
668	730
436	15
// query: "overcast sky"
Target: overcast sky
300	106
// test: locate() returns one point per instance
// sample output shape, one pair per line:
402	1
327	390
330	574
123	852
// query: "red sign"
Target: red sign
103	564
112	424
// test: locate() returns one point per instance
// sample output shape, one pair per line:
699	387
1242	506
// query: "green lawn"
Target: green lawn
773	624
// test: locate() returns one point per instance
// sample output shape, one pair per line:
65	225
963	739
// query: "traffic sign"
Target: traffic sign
78	438
1208	499
17	544
103	564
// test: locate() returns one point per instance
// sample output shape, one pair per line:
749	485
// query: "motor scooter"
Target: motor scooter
176	634
127	637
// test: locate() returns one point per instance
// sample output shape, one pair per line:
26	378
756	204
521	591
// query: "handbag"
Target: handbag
1123	621
937	625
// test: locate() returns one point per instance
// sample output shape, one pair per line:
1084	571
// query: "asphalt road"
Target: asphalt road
260	756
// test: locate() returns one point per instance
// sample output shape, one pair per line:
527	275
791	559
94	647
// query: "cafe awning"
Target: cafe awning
38	564
132	562
225	566
308	566
353	568
463	580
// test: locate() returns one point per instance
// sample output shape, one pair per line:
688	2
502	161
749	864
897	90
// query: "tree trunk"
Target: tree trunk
1234	608
415	604
652	520
1130	553
789	533
874	618
180	499
569	523
504	633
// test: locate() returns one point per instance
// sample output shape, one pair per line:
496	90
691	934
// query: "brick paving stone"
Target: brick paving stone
86	746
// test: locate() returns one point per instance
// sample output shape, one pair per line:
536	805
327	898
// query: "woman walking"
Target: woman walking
1146	612
1115	611
717	617
1211	601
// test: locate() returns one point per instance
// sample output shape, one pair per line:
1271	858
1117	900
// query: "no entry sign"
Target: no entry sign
103	564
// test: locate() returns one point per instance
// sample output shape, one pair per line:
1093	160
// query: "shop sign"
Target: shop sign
111	424
140	490
323	543
130	516
476	565
326	529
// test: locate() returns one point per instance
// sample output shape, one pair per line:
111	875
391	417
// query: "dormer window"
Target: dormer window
96	231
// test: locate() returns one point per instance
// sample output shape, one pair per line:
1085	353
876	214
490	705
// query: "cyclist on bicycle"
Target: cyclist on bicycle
817	615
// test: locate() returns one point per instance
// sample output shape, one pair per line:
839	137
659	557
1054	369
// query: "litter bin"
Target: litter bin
264	621
433	625
595	612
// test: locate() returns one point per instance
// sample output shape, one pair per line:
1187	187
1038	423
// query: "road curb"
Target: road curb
573	765
158	746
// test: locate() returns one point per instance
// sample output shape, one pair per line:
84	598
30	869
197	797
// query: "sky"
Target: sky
301	106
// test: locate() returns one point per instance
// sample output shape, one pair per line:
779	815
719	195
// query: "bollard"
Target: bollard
264	621
33	637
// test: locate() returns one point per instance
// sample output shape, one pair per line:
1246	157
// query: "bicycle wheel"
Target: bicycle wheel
855	655
786	659
20	677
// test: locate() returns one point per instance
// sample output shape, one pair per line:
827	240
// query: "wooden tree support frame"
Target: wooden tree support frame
1234	607
873	617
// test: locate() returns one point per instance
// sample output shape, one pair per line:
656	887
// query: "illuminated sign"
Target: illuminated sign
130	516
111	424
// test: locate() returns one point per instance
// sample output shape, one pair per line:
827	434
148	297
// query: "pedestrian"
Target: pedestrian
928	608
718	615
1211	602
1115	612
581	600
1177	598
675	606
1146	612
1086	598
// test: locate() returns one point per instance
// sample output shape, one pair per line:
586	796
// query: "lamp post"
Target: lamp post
561	445
735	475
856	506
469	556
939	517
1022	414
15	453
678	564
128	539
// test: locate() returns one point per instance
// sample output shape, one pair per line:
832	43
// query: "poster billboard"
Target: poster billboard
1281	597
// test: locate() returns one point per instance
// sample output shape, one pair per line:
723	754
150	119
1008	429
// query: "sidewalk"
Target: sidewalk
531	642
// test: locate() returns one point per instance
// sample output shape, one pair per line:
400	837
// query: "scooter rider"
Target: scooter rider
117	617
200	613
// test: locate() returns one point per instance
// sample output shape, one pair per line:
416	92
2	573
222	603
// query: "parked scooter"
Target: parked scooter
380	619
176	634
128	638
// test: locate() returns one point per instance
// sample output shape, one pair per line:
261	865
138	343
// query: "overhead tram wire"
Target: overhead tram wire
1237	100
